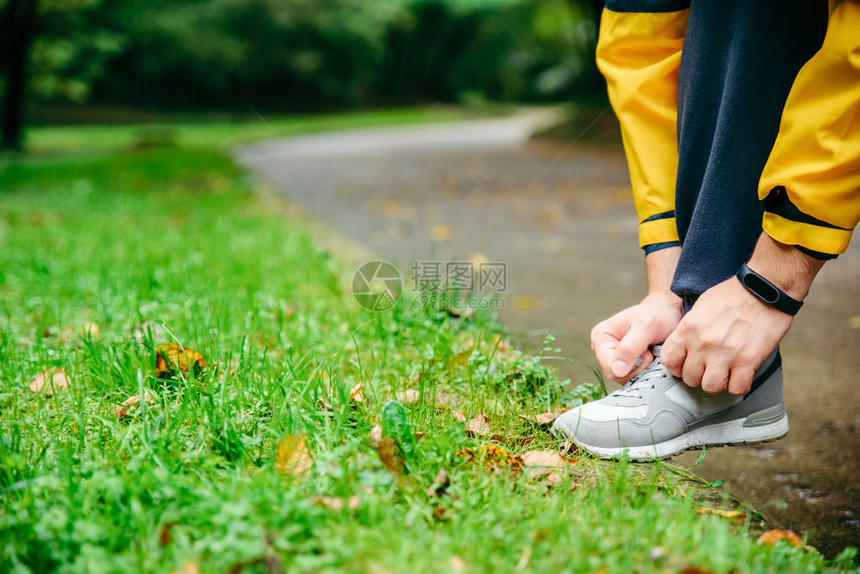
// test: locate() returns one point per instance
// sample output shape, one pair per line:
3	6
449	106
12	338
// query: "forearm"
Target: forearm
784	266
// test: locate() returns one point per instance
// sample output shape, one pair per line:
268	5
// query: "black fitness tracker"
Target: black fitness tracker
767	292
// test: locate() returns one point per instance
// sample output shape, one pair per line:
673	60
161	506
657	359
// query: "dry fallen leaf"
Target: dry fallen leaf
293	457
545	458
774	536
440	483
409	397
189	567
118	411
390	455
459	312
458	416
479	425
733	515
355	394
457	564
542	419
337	503
135	400
50	381
90	330
169	358
375	435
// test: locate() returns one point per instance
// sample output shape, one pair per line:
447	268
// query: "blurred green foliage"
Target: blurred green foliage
309	54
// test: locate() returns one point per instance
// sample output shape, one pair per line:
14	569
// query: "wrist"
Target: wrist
788	269
663	298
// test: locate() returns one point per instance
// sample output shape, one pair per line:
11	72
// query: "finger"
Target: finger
740	380
693	371
629	350
604	340
673	355
715	379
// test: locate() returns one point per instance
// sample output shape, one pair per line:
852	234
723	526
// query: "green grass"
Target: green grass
219	134
174	236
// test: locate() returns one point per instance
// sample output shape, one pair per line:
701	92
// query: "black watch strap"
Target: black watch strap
767	292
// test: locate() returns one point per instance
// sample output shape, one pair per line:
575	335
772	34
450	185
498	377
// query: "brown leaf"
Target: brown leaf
458	416
733	515
457	564
440	483
164	535
172	357
774	536
479	426
375	435
409	397
439	513
390	455
135	400
293	457
544	458
337	503
118	411
459	312
542	419
355	394
50	381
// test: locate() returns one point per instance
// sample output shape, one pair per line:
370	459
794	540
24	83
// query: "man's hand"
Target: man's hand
723	339
618	342
728	333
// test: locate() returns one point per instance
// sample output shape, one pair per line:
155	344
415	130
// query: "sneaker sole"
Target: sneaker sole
729	433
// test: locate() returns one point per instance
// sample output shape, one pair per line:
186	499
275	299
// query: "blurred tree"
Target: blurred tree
292	54
17	26
52	50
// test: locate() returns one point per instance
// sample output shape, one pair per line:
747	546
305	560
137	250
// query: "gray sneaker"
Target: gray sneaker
656	415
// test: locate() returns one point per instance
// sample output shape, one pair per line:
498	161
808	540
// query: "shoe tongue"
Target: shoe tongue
655	350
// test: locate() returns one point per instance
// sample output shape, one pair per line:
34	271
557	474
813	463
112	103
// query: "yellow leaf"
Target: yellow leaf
293	457
172	357
526	303
733	515
492	457
774	536
440	233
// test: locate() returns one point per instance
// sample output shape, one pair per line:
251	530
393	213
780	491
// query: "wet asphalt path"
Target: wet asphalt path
562	219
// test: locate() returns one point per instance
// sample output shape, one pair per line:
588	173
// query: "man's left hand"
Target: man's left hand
723	339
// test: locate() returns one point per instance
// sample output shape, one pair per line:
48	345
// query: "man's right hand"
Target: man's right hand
618	342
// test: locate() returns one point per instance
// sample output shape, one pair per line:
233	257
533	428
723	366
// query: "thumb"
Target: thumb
629	350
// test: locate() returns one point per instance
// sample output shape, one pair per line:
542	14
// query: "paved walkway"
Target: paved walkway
562	219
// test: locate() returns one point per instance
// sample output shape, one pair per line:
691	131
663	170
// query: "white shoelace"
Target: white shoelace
644	380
